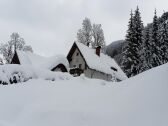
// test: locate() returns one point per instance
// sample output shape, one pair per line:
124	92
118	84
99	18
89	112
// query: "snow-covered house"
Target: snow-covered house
80	60
55	63
93	63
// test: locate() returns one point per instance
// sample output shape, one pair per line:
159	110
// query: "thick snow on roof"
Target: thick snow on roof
28	58
102	63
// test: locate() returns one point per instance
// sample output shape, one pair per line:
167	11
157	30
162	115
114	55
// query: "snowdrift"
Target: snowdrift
138	101
14	73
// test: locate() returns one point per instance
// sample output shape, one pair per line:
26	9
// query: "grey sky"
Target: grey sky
50	26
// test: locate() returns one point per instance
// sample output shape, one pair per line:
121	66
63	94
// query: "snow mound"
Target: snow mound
138	101
13	73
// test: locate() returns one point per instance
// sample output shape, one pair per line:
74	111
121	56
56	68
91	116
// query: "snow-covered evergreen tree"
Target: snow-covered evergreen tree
137	43
155	59
84	35
149	49
98	36
133	51
146	53
163	39
128	51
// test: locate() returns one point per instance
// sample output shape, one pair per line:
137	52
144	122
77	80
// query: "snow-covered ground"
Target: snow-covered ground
138	101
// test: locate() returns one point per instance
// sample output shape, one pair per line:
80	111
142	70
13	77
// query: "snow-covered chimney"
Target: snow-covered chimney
98	50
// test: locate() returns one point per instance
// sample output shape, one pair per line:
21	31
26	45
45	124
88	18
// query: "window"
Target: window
77	54
80	66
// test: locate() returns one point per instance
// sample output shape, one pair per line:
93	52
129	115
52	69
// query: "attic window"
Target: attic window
114	69
77	54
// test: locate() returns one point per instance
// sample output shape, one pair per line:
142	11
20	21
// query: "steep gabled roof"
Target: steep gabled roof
102	63
28	58
72	50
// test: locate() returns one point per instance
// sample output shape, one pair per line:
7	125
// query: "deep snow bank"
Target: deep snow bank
139	101
13	73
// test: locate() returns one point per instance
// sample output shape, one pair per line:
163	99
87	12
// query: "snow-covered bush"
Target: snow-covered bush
18	77
12	73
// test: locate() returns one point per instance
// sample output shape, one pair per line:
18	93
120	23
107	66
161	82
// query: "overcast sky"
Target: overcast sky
50	26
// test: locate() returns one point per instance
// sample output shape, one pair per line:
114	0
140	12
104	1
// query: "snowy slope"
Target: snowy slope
139	101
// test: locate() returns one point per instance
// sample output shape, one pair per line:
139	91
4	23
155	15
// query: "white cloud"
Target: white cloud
50	26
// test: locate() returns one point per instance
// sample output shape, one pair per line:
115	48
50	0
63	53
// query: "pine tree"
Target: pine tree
128	51
138	42
163	39
155	59
133	51
146	53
